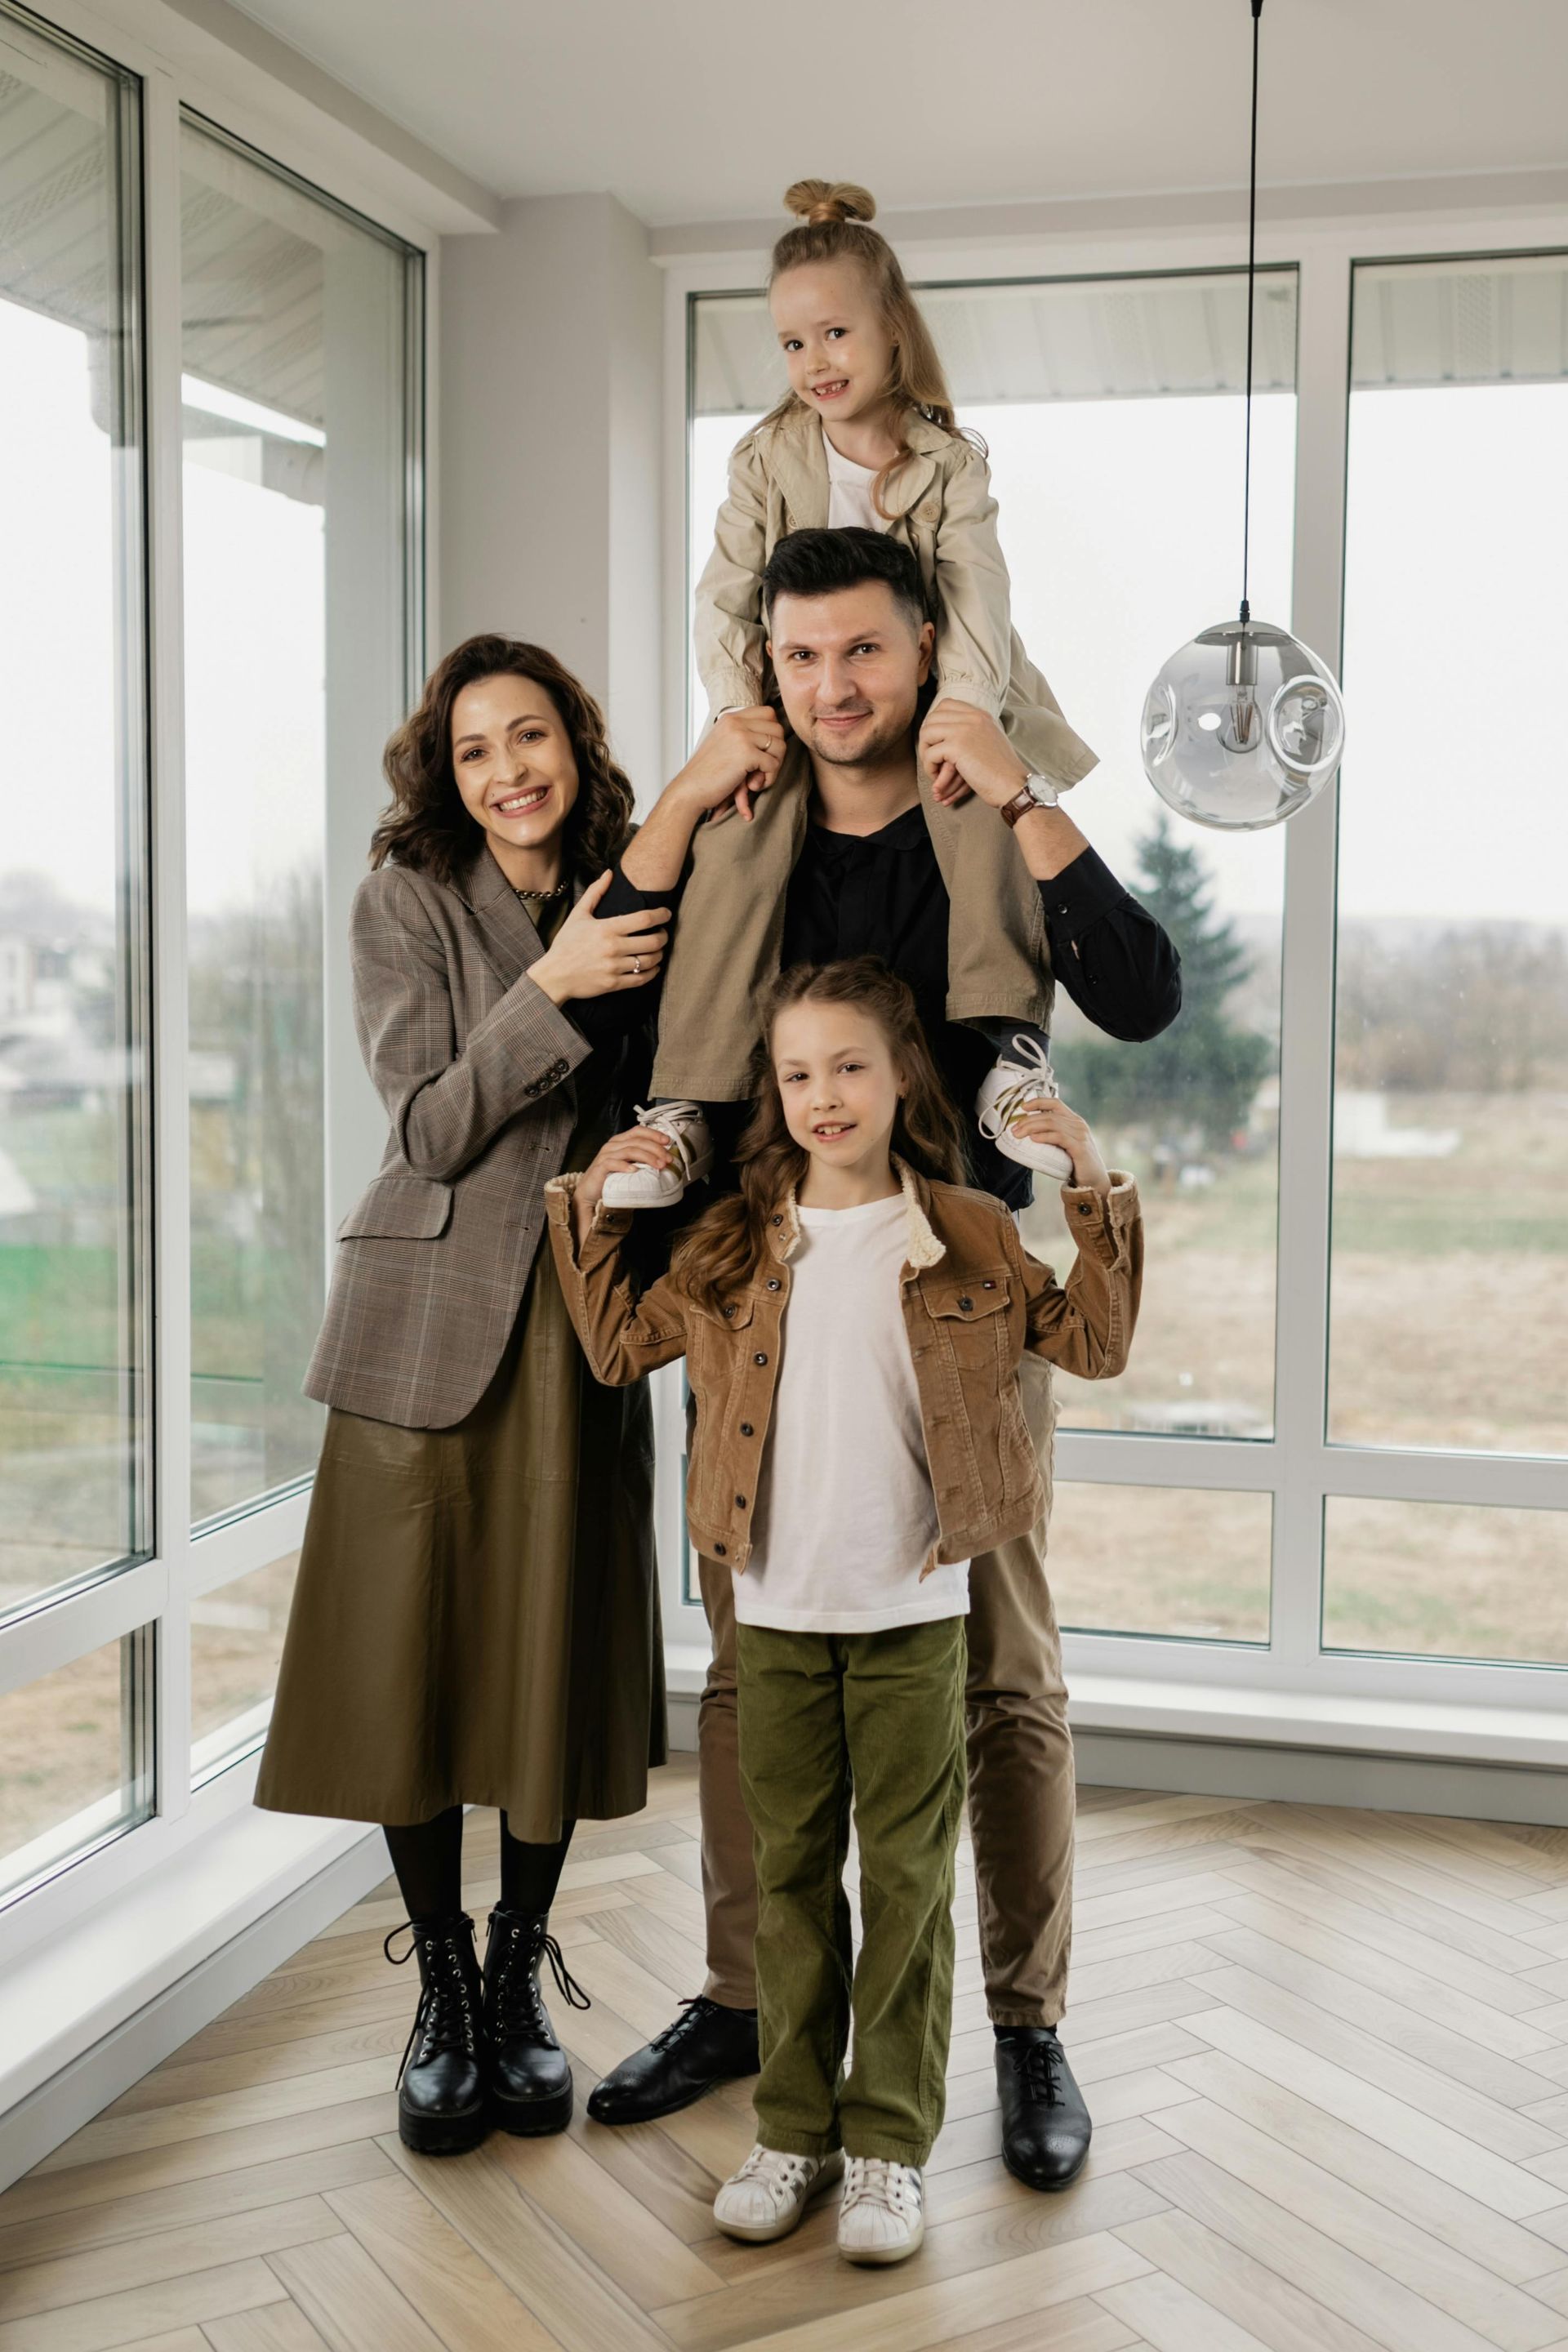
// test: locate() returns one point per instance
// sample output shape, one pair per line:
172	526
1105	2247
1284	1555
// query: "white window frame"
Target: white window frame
1289	1690
156	1592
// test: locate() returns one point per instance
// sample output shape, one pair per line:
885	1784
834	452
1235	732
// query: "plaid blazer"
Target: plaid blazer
474	1063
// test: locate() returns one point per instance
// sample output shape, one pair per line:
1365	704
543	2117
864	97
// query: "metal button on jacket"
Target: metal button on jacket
966	1306
745	1429
719	1550
759	1360
773	1283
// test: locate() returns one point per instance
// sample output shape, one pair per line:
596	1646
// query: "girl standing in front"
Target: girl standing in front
865	437
853	1320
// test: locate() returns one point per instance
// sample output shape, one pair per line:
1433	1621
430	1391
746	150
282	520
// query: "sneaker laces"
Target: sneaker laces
445	2019
516	2002
878	2181
776	2170
1037	1082
1038	2065
674	1120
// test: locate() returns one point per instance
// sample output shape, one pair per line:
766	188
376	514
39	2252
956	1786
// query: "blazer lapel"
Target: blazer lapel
507	940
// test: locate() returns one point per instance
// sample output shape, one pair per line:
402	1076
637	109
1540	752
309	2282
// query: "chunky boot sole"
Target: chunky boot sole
442	2135
532	2118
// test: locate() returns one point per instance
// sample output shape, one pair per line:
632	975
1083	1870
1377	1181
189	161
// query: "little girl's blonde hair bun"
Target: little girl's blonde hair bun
824	201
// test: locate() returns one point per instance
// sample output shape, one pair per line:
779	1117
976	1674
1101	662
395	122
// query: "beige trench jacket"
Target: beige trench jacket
975	1302
474	1065
944	512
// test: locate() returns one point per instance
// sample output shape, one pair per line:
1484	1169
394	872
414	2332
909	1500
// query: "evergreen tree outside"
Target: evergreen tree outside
1196	1079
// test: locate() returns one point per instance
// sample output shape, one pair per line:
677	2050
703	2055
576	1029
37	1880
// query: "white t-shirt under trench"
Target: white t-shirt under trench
849	488
846	1515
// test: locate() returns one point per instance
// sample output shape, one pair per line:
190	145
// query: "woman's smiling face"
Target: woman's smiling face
836	349
513	759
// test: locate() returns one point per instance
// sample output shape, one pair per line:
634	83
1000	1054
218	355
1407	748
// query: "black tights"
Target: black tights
428	1860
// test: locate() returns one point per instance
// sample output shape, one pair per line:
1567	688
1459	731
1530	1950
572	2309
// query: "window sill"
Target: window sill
1534	1738
88	2010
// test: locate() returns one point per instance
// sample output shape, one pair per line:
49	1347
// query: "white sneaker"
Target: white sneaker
882	2218
656	1188
1019	1080
768	2196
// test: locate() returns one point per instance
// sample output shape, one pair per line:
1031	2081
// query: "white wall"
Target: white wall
551	384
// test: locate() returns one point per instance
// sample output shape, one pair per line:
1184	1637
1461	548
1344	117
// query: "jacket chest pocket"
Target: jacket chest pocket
971	1319
716	1360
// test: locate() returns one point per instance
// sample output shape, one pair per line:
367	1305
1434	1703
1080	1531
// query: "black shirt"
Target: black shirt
882	894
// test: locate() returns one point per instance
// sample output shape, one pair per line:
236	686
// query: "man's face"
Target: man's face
850	667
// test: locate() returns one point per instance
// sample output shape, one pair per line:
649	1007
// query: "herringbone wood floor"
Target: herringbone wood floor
1327	2053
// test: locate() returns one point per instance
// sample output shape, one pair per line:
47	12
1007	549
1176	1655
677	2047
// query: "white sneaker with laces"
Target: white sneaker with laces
768	2196
1015	1085
683	1124
882	2218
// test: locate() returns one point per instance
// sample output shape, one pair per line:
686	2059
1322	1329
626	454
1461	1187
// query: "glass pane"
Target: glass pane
74	1758
72	1100
1161	1559
237	1641
295	433
1446	1580
1113	417
1450	1236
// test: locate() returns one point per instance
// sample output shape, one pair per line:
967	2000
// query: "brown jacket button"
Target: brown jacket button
745	1429
719	1552
728	1310
759	1360
966	1306
776	1220
740	1502
773	1283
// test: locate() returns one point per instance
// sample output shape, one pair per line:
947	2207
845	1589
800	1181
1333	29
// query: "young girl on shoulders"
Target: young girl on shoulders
866	436
853	1321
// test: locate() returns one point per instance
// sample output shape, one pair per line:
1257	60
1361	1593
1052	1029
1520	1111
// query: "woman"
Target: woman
476	1617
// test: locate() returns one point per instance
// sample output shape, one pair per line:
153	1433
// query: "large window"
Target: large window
73	954
195	715
294	400
1338	1465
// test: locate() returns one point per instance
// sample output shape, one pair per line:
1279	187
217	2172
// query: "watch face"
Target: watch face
1042	794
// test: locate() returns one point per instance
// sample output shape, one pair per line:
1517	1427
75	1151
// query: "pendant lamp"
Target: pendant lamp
1244	725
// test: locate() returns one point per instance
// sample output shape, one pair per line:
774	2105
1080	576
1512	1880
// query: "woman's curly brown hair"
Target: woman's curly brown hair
427	825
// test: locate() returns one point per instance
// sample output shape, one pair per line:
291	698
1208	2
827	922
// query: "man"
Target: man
851	651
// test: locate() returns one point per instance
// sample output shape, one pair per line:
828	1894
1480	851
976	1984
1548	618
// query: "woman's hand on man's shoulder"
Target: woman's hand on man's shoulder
597	955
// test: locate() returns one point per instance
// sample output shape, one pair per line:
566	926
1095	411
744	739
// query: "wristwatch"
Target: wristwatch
1038	791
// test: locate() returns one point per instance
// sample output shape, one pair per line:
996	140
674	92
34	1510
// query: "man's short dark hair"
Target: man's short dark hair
821	562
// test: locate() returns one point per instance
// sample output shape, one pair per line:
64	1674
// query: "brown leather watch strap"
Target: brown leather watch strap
1019	805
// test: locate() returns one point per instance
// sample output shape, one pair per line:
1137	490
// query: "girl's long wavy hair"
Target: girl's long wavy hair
724	1248
837	216
427	825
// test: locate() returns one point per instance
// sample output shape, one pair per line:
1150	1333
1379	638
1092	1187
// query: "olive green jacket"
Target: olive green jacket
944	513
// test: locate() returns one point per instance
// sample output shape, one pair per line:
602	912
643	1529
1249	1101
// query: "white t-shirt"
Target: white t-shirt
849	488
846	1517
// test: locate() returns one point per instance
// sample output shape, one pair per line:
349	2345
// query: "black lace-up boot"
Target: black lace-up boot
441	2082
706	2044
531	2077
1046	2129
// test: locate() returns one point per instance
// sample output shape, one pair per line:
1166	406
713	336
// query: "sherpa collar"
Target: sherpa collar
924	1248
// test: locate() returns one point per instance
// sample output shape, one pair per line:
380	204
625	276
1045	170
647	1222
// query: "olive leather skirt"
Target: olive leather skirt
475	1618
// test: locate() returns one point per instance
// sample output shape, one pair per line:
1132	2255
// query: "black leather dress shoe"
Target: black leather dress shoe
530	2076
1046	2129
441	2082
706	2044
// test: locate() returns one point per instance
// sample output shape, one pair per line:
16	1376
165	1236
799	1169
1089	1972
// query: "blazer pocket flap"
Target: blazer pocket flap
968	1299
399	1208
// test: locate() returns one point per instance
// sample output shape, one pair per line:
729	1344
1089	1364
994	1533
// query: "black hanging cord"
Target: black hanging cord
1251	275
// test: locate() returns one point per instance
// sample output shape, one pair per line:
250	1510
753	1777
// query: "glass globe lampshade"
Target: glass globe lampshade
1242	728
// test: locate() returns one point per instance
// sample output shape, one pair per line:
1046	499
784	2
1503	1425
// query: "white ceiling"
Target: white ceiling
704	110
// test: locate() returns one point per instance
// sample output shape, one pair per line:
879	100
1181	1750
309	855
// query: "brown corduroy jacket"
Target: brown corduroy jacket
474	1063
974	1302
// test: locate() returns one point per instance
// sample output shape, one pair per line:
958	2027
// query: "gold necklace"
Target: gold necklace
558	892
